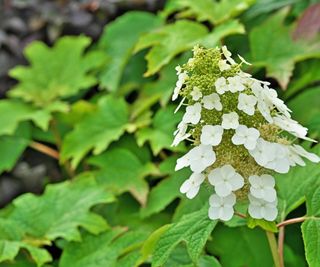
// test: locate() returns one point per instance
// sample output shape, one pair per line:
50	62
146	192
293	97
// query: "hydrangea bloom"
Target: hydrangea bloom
237	125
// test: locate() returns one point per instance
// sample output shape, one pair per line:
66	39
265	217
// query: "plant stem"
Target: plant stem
44	149
274	248
291	221
241	215
280	244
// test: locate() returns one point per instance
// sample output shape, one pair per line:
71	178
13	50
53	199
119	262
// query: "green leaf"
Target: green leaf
60	211
240	246
11	147
293	186
122	171
265	225
11	241
272	47
311	228
207	10
20	111
307	73
160	134
309	119
118	41
172	39
194	229
57	72
165	192
97	130
101	250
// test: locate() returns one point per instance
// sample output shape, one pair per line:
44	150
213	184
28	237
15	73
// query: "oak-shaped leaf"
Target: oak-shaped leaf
273	47
15	111
118	40
12	146
97	130
172	39
34	221
160	134
215	12
56	72
194	229
120	170
106	249
311	228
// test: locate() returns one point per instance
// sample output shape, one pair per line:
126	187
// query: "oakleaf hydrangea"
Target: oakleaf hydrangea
241	134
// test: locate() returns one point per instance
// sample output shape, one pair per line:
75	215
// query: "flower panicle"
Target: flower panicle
242	133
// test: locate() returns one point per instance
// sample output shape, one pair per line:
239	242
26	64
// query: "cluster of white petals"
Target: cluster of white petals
249	120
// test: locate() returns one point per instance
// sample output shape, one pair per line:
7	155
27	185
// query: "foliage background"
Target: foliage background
87	123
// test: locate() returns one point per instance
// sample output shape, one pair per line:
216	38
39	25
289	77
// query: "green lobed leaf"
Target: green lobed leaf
306	74
60	211
11	147
11	242
165	191
118	40
121	171
57	72
273	47
311	228
293	186
215	12
240	246
97	130
20	112
172	39
101	250
194	229
160	134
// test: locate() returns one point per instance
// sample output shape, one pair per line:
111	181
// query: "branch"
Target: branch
44	149
281	244
291	221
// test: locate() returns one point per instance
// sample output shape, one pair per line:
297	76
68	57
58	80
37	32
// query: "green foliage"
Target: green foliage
207	10
194	229
253	250
167	187
311	228
173	39
311	118
58	72
30	224
11	147
293	187
97	130
20	111
160	133
130	26
102	250
122	206
278	56
122	171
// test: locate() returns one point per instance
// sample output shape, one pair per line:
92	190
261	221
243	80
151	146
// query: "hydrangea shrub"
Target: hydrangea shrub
241	134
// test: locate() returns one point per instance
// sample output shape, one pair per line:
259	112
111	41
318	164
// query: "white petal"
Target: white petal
302	152
226	213
254	211
236	182
268	180
269	213
192	192
185	187
223	189
230	199
213	213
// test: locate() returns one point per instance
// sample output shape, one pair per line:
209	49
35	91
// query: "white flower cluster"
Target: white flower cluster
241	108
